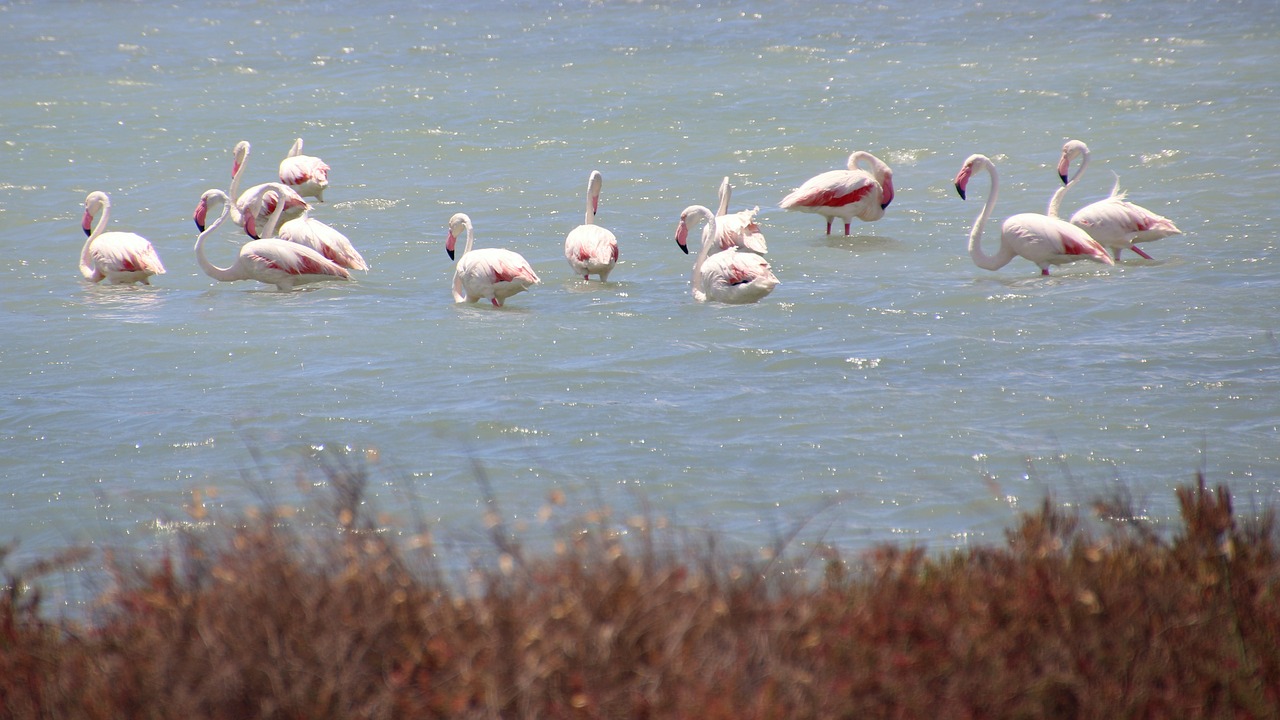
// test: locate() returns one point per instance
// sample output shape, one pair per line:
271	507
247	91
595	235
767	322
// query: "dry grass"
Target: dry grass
267	620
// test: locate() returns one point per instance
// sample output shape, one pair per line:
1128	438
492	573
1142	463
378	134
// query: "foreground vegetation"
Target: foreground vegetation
267	618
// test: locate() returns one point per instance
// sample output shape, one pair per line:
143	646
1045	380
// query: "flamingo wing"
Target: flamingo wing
324	239
832	189
591	249
737	277
292	259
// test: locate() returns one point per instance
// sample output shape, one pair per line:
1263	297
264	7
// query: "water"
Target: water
887	390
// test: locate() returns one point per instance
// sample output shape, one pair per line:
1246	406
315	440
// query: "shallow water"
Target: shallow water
888	389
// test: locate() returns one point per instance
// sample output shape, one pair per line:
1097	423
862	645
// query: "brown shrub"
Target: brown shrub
267	619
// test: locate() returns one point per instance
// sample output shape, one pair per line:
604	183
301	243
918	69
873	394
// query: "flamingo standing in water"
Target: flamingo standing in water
1039	238
729	276
307	174
491	273
256	203
589	248
846	194
272	261
120	258
740	229
314	234
1115	223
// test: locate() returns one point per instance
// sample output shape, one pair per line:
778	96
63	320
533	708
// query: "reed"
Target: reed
263	618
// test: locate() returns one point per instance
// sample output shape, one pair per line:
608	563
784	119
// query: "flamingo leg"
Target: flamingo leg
846	229
829	225
1138	250
1044	271
496	302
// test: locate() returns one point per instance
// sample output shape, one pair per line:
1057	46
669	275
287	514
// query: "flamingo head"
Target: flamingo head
457	224
886	188
594	184
682	235
201	213
1070	151
962	177
241	153
93	204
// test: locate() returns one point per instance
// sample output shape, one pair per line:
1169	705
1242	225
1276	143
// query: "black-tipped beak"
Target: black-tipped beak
88	232
450	253
1064	179
199	226
685	248
960	190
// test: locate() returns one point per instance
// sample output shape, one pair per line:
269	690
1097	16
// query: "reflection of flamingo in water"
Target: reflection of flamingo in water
1115	223
491	273
307	174
589	248
1039	238
272	261
846	194
120	258
739	229
314	234
730	276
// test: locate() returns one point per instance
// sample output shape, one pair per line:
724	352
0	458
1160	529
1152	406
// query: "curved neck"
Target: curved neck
274	219
209	268
471	236
725	191
708	242
981	259
1055	202
593	199
234	190
87	268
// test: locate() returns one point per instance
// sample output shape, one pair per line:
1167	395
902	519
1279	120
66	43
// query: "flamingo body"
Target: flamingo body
589	248
270	260
730	276
492	273
738	229
120	258
846	194
325	240
306	174
1042	239
1114	222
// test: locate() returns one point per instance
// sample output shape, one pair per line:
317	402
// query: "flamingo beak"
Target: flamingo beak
962	179
1064	168
886	193
251	227
450	243
87	224
682	236
201	212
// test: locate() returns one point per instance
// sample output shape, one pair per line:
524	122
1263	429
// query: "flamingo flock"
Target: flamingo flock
288	247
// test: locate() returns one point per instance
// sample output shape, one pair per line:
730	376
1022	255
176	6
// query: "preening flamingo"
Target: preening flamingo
120	258
846	194
314	234
491	273
1039	238
589	248
1115	223
730	276
272	261
306	174
739	229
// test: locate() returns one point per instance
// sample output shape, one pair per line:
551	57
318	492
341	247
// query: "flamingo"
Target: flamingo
730	276
739	229
491	273
1115	223
314	234
255	203
272	261
589	248
1039	238
307	174
120	258
846	194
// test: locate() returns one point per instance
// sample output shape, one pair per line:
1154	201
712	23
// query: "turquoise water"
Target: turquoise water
888	389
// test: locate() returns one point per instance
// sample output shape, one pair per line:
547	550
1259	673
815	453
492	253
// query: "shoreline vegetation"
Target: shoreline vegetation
263	617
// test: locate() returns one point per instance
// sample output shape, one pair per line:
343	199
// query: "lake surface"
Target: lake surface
887	390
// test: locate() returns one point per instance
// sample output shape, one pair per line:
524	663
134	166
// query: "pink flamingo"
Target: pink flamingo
307	174
120	258
589	248
846	194
1115	223
256	203
740	229
729	276
272	261
491	273
314	234
1039	238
